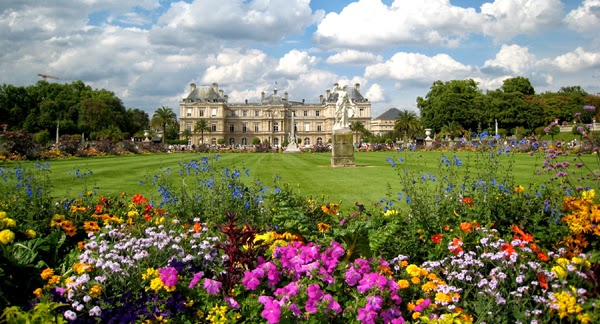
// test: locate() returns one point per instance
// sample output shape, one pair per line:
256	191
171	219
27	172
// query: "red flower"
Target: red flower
98	209
542	280
467	201
456	247
139	199
436	238
509	249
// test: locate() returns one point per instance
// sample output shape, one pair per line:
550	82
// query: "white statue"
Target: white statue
344	108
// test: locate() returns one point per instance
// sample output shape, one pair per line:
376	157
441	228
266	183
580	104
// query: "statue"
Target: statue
344	108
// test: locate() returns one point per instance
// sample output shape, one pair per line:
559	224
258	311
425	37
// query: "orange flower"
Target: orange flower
139	199
508	248
98	209
468	201
542	280
465	227
91	226
456	247
517	230
197	227
323	227
436	238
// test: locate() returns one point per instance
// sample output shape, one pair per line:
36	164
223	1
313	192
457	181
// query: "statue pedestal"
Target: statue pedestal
292	148
342	153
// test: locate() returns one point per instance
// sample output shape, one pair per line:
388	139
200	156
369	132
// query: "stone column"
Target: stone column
342	153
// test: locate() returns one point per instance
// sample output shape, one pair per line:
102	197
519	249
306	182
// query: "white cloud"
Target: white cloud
236	67
577	60
414	67
586	18
370	23
354	57
508	18
233	20
375	93
511	59
296	62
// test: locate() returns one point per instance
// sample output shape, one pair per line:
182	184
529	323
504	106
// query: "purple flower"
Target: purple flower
352	276
168	276
577	114
232	302
212	286
366	315
70	315
314	292
332	303
367	282
423	305
295	310
251	278
272	310
589	108
547	130
374	302
195	279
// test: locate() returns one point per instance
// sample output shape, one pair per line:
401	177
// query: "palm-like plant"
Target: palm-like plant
357	127
202	126
452	129
407	124
162	117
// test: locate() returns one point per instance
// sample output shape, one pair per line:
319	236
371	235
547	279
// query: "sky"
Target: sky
148	51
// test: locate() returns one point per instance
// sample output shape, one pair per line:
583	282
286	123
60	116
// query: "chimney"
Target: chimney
226	98
221	93
302	100
285	95
246	100
327	94
262	96
320	98
215	87
192	87
357	86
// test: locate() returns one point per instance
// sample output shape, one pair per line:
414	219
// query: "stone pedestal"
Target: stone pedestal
292	148
342	153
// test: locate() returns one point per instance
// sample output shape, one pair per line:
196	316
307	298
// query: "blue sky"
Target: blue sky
148	51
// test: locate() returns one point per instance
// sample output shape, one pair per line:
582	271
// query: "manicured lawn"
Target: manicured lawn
309	173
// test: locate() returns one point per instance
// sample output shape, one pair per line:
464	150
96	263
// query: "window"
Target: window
213	112
231	127
256	127
213	127
213	141
305	113
244	113
244	128
307	127
257	113
361	112
189	112
276	141
201	112
306	141
276	127
244	141
319	141
231	141
319	127
188	126
317	113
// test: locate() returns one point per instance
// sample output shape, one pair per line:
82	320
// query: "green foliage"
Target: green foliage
42	313
518	84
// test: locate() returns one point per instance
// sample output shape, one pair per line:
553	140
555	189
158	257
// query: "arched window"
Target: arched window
319	141
213	141
244	141
306	141
231	141
276	141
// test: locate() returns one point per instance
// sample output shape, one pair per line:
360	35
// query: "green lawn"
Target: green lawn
372	179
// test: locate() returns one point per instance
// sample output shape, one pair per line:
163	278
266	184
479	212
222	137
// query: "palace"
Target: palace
268	120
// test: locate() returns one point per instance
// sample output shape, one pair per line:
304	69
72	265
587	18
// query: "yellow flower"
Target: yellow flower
38	292
562	261
413	270
47	274
565	304
54	280
403	284
443	298
559	271
30	233
2	214
416	315
9	222
588	194
584	318
95	291
519	189
80	268
133	213
150	273
323	227
156	284
390	212
415	280
6	236
429	286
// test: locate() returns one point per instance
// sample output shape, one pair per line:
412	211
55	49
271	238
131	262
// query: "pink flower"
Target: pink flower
168	276
212	286
272	311
195	279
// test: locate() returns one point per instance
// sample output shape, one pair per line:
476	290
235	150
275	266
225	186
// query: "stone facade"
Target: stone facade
385	122
268	119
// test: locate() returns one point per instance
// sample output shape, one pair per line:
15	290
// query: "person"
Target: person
342	111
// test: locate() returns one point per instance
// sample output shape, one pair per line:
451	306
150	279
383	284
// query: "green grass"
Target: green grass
310	173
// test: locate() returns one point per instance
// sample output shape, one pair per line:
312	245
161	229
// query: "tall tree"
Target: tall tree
518	84
407	124
163	117
201	127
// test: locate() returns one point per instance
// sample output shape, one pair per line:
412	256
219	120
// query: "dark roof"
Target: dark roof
390	114
353	94
275	99
205	94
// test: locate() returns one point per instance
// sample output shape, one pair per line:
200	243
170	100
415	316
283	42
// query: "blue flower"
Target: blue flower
391	161
457	161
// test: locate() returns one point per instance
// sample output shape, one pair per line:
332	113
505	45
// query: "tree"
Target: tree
112	133
137	121
162	117
518	84
456	100
202	126
357	127
407	124
452	129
